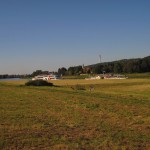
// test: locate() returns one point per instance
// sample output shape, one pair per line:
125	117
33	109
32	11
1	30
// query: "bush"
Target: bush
78	87
38	83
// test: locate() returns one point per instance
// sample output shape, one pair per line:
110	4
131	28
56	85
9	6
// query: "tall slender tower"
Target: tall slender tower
99	58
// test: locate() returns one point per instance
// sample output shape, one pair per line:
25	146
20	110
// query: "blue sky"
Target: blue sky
49	34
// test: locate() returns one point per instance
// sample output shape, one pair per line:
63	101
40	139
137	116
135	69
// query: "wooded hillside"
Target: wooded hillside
138	65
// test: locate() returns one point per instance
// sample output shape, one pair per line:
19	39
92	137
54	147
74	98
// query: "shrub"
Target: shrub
78	87
38	83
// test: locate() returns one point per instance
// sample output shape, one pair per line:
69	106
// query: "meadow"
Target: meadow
114	115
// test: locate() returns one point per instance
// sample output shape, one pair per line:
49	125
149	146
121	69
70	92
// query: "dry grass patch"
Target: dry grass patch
115	115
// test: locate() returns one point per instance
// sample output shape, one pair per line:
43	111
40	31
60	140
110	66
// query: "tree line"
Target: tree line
124	66
5	76
138	65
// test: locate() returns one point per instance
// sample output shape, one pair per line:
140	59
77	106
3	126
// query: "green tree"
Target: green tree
78	70
145	66
37	72
117	68
97	69
62	71
71	71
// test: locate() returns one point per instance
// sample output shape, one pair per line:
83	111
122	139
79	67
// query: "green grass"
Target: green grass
115	115
76	76
139	75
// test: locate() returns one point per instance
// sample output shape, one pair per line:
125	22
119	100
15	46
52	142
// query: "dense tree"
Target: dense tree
106	68
117	67
97	69
78	70
62	71
123	66
37	72
71	71
145	66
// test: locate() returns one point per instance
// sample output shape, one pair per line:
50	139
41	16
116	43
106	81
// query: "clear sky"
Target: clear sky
49	34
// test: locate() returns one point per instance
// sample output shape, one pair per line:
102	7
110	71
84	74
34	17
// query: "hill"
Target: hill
136	65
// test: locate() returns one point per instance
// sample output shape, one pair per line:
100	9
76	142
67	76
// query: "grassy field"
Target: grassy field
115	115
